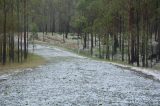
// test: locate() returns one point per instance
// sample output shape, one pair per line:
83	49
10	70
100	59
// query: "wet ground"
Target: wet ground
71	80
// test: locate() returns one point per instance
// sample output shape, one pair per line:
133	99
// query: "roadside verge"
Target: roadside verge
32	62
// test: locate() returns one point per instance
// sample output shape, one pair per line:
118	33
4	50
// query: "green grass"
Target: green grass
31	62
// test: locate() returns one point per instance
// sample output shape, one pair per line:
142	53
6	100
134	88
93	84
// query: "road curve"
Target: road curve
71	80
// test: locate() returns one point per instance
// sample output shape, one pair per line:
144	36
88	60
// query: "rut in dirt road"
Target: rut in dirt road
71	80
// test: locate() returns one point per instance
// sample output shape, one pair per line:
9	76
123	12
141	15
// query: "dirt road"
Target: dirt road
71	80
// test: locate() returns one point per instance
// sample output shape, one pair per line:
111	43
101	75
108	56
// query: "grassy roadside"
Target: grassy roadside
116	63
32	62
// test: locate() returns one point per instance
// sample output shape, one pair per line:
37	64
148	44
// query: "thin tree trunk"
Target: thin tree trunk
85	41
123	39
25	31
4	36
137	54
100	56
107	46
91	44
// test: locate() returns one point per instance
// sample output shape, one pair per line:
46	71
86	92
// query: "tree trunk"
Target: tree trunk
85	41
137	25
107	46
4	34
91	44
100	56
25	31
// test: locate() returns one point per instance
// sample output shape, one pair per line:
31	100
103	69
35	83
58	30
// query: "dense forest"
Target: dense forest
13	30
127	29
